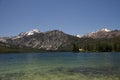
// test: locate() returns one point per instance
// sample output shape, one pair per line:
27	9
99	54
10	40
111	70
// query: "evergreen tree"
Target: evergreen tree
75	47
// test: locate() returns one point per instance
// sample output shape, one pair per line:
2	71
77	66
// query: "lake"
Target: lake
60	66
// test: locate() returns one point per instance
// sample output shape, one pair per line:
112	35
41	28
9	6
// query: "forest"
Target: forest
98	45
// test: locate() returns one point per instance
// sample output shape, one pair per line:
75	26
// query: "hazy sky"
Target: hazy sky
70	16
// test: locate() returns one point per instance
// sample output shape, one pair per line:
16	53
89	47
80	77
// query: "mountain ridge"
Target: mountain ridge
102	33
50	40
56	40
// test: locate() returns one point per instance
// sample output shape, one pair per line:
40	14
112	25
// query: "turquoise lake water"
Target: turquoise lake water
60	66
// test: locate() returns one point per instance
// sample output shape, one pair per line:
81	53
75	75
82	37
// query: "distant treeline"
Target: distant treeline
98	45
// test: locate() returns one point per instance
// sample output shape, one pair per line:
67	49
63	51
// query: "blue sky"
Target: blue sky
70	16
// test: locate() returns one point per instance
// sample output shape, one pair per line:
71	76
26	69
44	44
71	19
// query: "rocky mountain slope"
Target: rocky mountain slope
56	40
50	40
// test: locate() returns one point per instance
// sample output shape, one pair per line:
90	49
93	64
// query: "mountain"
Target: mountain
50	40
103	33
101	40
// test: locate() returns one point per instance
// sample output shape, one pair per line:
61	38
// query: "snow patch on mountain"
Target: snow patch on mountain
28	33
99	33
79	36
31	32
104	29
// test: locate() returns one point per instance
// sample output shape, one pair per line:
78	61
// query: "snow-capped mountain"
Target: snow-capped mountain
28	33
104	30
54	40
31	32
50	40
103	33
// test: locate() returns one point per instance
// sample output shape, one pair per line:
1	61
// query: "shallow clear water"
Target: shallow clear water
60	66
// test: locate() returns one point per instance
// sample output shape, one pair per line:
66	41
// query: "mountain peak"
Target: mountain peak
103	33
28	33
31	32
105	30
